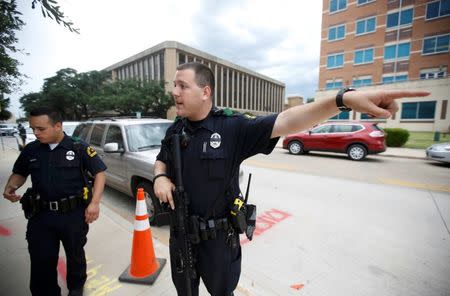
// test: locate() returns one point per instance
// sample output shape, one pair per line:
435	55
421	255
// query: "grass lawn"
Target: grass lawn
421	140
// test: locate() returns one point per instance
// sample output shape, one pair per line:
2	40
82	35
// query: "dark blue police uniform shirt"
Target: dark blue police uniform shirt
210	161
56	173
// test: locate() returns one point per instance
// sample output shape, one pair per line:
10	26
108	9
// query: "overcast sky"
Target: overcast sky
280	39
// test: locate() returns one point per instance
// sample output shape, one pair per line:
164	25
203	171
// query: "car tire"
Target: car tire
295	147
150	200
356	152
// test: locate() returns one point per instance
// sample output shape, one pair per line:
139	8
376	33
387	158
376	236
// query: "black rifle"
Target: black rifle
180	220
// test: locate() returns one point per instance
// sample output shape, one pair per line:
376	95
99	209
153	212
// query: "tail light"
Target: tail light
376	134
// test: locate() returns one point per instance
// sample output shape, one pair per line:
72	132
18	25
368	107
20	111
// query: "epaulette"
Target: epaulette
225	112
76	139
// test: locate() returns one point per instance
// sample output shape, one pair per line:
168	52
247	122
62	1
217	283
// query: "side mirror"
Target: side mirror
112	148
310	132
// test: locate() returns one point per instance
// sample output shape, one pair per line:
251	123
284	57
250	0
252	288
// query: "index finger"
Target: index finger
395	94
170	200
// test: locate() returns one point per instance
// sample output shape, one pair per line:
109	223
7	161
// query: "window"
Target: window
335	61
433	73
145	136
97	134
345	128
397	51
399	18
341	116
418	110
365	116
358	82
321	129
394	78
114	135
436	44
336	33
333	84
363	56
361	2
366	26
337	5
438	9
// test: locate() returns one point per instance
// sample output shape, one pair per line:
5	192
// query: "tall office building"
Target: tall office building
386	44
236	87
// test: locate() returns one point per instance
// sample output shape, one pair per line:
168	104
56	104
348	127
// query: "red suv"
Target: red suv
356	139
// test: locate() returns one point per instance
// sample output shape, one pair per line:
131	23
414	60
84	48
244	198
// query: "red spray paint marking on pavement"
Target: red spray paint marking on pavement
62	269
4	231
266	220
297	286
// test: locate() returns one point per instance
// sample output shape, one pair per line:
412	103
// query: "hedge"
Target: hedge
396	137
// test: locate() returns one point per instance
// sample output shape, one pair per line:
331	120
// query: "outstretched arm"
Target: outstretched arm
378	103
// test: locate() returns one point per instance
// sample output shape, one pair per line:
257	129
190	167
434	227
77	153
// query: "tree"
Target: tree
10	23
4	113
49	8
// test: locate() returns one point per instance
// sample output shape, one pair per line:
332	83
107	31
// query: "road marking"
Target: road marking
434	187
4	231
276	166
265	221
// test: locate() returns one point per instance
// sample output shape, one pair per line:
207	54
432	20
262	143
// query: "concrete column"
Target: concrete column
141	70
238	89
251	93
152	66
227	91
215	81
221	87
157	70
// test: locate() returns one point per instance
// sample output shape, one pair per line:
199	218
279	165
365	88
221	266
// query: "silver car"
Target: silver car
129	148
439	152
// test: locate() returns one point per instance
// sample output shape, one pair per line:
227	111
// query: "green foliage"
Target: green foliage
84	95
396	137
10	23
4	105
50	8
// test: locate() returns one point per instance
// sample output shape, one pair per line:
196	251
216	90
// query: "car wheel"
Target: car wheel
295	147
356	152
150	199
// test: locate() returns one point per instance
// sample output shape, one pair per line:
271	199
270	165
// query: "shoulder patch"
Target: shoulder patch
91	151
228	112
76	139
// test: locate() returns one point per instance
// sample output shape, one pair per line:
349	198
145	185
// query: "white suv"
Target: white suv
129	148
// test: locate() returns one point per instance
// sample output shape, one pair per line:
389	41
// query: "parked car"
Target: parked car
356	139
439	152
69	126
129	148
8	129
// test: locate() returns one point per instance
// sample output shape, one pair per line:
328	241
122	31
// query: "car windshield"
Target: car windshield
145	136
68	129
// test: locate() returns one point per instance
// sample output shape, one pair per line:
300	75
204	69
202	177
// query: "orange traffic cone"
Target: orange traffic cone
144	267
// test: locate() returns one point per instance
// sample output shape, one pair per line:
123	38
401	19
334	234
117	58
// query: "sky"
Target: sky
280	39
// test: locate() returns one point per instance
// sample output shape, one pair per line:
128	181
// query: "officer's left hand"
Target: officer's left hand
92	212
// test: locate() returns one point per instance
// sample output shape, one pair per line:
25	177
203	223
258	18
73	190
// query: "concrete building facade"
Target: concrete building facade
237	88
383	44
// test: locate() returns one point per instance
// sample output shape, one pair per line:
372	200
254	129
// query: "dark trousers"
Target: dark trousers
217	264
45	231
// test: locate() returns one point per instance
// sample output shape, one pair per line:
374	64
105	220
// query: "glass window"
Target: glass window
333	84
336	33
397	51
364	1
438	9
363	56
436	44
362	82
399	18
341	116
365	116
142	137
97	134
335	61
336	5
365	26
85	131
394	78
418	110
114	135
342	128
321	129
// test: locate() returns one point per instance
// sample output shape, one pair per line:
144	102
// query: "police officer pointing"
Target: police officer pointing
60	203
215	144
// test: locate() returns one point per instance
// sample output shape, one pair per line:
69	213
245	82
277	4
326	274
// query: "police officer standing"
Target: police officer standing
215	144
60	203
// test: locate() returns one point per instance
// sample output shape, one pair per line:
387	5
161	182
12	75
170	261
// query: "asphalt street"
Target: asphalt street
316	235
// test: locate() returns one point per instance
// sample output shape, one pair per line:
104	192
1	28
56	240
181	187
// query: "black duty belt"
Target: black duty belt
62	205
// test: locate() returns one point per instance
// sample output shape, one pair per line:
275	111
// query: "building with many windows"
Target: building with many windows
236	87
384	44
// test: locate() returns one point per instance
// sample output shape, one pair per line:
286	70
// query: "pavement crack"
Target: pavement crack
439	211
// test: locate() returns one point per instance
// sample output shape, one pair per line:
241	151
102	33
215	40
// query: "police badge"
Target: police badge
215	140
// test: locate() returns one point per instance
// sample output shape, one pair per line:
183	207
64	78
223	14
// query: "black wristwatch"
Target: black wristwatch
339	99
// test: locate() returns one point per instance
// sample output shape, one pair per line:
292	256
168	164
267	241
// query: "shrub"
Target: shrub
396	137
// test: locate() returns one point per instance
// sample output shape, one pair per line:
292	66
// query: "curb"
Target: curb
401	156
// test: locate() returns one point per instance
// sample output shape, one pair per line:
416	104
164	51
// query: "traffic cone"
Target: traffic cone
144	267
